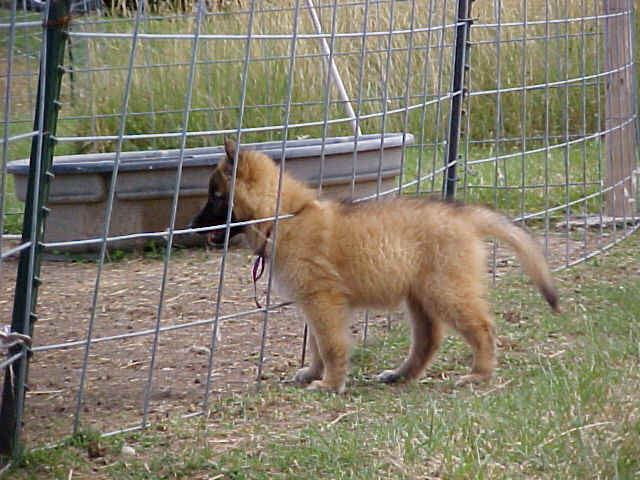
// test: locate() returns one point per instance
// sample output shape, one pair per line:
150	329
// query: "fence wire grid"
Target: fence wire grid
546	132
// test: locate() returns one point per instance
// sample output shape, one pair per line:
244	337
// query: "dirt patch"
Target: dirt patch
118	369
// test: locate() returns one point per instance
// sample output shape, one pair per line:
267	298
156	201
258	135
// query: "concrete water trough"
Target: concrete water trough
146	180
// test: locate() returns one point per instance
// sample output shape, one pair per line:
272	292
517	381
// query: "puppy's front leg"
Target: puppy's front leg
316	368
327	319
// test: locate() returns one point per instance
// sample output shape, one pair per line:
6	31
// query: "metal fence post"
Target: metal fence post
27	280
463	29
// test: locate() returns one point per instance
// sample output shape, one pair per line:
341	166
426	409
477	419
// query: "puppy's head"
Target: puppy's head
216	210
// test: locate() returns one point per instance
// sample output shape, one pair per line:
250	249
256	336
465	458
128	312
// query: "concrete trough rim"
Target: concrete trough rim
135	161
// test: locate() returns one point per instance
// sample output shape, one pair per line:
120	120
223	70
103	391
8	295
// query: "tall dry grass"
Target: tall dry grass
394	71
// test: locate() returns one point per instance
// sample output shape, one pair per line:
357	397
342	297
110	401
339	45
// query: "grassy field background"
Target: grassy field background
501	58
564	405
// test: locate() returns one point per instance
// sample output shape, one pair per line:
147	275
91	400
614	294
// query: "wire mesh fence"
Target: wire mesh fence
360	97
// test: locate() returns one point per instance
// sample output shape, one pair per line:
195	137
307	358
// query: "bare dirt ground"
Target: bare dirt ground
118	370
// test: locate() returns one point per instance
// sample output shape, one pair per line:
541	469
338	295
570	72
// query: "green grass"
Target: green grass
23	93
13	209
92	103
516	184
564	405
154	106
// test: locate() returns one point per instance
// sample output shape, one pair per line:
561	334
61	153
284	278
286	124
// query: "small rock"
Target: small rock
127	451
199	350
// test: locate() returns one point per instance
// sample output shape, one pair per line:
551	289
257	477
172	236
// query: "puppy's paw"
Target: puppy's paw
306	375
389	376
325	387
474	378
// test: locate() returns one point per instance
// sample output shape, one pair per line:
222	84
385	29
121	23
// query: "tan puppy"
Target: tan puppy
332	257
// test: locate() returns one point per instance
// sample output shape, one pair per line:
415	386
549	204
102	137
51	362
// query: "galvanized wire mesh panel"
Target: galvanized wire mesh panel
543	146
543	138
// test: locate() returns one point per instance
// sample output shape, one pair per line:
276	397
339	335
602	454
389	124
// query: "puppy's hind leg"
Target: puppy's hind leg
427	337
474	323
327	319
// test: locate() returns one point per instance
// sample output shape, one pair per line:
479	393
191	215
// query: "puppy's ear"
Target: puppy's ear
230	147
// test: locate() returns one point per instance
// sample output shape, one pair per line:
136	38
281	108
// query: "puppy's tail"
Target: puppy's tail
490	223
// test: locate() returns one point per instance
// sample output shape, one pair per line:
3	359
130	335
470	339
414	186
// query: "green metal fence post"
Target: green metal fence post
460	66
27	280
